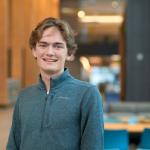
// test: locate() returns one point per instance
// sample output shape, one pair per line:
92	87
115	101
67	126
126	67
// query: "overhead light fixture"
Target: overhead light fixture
81	14
102	19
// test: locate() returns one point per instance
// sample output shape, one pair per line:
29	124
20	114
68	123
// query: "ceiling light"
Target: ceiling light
102	19
81	14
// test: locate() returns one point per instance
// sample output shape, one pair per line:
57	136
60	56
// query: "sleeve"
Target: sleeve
92	124
14	135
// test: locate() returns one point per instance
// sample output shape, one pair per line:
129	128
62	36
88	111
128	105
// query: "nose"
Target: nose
50	50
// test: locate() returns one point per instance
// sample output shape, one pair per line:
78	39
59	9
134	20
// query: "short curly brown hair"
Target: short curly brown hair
64	28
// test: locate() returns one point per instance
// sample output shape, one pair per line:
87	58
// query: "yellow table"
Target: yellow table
126	122
139	127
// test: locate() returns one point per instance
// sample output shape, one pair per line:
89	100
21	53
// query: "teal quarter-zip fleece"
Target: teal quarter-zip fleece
70	117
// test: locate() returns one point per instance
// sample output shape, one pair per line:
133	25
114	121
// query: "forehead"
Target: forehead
52	32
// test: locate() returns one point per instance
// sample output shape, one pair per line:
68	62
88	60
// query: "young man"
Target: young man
60	112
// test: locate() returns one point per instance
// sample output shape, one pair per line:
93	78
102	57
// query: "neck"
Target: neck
46	77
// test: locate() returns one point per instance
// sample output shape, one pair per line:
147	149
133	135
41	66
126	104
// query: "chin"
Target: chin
50	71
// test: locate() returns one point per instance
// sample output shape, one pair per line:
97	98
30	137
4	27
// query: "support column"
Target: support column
138	51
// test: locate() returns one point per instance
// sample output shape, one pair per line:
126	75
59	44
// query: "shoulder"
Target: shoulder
81	84
83	87
27	91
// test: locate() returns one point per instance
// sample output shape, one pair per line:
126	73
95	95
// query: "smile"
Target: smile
49	60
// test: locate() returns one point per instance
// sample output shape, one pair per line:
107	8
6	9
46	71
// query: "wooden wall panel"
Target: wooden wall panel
17	30
25	15
17	21
3	51
37	12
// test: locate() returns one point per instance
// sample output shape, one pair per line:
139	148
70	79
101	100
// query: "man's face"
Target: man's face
51	52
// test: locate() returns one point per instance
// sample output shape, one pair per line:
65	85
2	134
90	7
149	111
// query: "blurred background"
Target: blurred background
113	54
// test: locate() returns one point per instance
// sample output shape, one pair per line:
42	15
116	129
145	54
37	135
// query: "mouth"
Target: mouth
48	60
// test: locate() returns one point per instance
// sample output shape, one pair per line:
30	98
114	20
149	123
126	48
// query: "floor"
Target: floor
5	124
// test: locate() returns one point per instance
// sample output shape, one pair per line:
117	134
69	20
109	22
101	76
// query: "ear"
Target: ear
34	53
70	58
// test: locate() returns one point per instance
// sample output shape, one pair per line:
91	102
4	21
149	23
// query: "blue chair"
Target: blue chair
145	139
116	140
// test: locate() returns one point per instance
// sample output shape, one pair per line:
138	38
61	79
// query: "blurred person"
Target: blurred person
60	112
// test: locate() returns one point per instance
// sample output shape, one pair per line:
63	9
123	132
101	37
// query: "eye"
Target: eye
43	45
58	46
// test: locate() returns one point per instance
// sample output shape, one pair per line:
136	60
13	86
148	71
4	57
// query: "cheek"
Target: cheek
63	55
39	54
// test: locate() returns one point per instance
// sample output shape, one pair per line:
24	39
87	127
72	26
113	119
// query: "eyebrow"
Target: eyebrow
57	43
42	42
